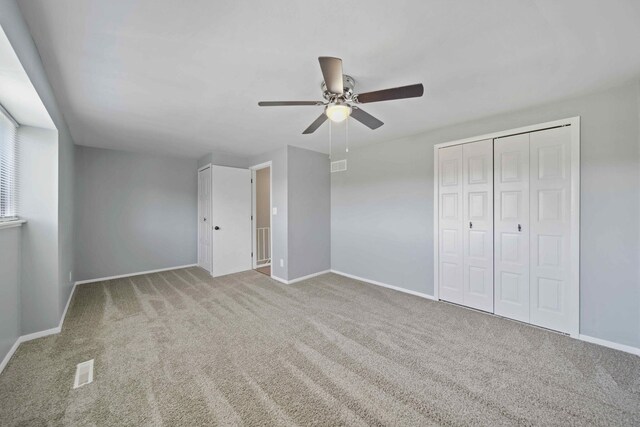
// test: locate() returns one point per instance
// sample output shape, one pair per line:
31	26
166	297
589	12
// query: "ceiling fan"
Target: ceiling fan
340	101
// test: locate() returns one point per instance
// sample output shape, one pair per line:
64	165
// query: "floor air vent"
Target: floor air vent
339	166
84	374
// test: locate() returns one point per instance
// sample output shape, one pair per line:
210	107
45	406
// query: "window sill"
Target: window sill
11	224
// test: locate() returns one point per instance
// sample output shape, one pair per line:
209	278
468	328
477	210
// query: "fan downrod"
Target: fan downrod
348	82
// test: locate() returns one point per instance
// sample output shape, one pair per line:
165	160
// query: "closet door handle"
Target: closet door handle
519	227
470	224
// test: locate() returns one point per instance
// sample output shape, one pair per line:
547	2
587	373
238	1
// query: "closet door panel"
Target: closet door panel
511	177
450	224
477	178
550	228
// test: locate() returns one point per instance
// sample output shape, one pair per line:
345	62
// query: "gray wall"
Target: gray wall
301	194
309	226
39	288
382	207
66	216
279	195
381	214
135	212
263	198
19	35
223	159
10	242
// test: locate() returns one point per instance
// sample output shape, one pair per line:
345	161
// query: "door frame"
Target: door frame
200	169
253	212
574	122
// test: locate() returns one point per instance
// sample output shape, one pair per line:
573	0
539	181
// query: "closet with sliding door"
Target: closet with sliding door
506	224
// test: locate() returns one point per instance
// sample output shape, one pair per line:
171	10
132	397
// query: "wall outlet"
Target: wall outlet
275	211
281	262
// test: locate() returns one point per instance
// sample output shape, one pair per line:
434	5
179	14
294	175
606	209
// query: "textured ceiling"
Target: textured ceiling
184	77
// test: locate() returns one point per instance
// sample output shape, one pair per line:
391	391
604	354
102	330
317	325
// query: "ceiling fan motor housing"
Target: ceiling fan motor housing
348	82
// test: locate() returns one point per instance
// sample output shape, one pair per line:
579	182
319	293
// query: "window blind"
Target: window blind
8	167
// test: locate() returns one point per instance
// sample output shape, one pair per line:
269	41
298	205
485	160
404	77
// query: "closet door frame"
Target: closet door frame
207	228
574	122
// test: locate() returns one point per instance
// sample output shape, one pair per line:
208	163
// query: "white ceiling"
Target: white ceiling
184	77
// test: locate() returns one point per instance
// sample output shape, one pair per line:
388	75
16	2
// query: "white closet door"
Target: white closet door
231	220
511	177
550	183
450	224
477	178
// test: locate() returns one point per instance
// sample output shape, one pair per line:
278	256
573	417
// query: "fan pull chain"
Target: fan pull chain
329	139
347	134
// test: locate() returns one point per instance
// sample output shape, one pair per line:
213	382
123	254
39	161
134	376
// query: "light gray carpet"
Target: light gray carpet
181	348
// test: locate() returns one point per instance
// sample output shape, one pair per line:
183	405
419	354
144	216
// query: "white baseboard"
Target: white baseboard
58	329
102	279
610	344
384	285
299	279
66	307
279	279
47	332
6	359
25	338
39	334
599	341
308	276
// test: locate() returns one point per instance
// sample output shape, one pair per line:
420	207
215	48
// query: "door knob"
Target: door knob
519	227
204	219
216	228
470	224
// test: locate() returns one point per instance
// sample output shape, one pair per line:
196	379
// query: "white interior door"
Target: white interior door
550	269
231	220
204	218
477	178
511	186
450	258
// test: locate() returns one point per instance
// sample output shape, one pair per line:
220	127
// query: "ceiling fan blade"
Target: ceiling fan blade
365	118
316	124
332	72
411	91
287	103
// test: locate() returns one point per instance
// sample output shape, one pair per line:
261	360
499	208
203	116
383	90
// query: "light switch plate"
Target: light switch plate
275	211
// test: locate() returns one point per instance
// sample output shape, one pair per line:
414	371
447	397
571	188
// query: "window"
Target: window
8	168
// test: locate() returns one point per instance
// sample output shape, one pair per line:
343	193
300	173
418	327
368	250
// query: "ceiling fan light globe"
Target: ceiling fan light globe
338	112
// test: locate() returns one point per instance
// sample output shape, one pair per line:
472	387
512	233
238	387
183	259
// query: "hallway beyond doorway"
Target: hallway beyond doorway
264	270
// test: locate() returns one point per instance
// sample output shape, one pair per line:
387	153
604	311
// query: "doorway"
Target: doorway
261	224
